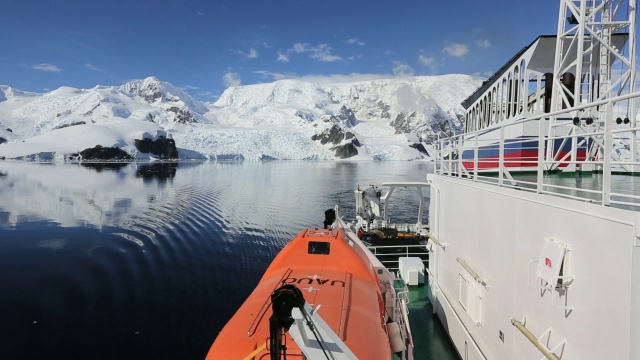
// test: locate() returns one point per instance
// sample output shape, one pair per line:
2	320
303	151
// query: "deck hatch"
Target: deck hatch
319	247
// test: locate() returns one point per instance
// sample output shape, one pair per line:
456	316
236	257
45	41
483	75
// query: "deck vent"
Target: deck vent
470	299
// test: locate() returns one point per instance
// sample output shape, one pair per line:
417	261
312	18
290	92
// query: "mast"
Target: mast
590	67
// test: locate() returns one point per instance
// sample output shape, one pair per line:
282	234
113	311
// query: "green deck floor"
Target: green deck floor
429	336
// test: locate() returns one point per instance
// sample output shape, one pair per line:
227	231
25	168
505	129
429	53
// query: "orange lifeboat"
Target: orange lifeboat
335	278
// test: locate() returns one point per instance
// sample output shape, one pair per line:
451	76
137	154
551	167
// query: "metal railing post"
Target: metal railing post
608	147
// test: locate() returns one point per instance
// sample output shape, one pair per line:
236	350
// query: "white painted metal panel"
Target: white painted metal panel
500	245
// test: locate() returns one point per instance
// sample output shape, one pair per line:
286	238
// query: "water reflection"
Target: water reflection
157	171
150	260
99	166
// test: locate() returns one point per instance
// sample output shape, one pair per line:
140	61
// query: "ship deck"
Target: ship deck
430	338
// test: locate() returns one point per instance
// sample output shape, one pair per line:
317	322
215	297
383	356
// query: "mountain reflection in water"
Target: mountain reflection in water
150	260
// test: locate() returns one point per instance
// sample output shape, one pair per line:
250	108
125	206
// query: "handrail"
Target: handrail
520	326
595	156
475	275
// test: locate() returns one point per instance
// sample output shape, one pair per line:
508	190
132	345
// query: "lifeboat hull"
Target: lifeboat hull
329	271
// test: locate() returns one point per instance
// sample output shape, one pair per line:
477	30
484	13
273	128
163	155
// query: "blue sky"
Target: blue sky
206	46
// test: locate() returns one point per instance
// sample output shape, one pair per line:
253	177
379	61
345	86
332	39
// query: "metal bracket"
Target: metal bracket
564	285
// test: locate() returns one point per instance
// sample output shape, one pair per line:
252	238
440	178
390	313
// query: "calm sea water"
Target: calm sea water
150	261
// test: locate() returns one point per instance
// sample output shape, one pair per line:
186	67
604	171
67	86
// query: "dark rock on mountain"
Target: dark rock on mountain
163	147
104	153
73	123
346	116
183	116
335	135
404	123
420	148
346	151
2	140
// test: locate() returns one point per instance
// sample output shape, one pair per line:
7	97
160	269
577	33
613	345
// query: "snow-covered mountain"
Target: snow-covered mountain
287	119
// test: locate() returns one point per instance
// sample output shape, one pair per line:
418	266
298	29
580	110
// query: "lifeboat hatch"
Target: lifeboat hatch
322	232
319	248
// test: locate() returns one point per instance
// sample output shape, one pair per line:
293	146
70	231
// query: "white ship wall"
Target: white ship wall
498	231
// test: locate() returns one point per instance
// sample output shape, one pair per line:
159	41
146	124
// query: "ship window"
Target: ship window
319	247
498	101
523	74
509	95
534	93
481	113
503	99
487	117
492	103
516	93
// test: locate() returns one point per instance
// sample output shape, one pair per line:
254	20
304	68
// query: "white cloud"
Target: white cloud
283	57
483	43
252	54
456	50
426	60
402	69
274	76
190	87
321	52
200	13
231	78
92	67
342	78
355	41
46	67
299	48
323	79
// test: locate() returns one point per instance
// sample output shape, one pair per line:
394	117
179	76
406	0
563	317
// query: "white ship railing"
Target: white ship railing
400	251
506	172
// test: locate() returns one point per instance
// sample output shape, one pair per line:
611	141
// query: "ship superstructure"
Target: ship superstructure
545	264
554	86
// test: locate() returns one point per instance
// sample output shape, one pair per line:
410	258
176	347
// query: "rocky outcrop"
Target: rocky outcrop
405	123
162	147
421	148
346	116
343	147
73	123
166	97
182	116
104	153
2	140
346	151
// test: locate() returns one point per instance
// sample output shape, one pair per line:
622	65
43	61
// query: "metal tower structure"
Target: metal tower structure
592	64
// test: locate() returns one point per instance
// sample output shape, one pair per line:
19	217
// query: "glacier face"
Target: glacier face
381	119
